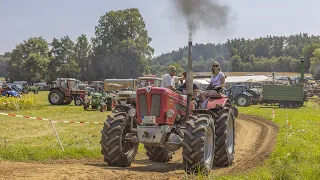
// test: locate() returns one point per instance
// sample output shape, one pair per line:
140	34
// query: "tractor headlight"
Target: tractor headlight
169	113
132	112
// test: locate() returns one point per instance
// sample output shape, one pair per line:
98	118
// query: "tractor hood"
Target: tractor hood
96	95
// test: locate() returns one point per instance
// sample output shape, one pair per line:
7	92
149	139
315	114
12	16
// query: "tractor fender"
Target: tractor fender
247	94
55	88
214	103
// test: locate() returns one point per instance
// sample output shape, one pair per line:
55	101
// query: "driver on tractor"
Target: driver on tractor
217	81
169	80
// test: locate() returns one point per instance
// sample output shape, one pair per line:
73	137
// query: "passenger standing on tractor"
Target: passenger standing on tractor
217	79
169	80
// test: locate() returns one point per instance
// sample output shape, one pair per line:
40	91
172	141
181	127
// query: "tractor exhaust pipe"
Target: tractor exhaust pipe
189	81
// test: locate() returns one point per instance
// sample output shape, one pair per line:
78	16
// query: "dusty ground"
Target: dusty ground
255	138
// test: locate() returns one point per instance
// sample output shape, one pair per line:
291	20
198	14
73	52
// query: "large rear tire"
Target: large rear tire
224	144
158	154
199	141
55	97
115	149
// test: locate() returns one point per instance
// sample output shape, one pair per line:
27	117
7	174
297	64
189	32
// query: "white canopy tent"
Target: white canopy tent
237	79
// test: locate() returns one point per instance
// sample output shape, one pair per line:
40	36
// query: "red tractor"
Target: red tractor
165	121
65	91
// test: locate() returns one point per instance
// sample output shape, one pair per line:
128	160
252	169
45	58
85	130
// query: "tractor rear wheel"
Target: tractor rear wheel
117	151
158	154
199	141
224	144
56	97
243	100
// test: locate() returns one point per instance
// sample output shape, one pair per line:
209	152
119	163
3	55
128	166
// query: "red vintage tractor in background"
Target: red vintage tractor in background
65	91
165	121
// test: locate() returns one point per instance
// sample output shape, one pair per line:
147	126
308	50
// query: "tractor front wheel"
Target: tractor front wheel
103	107
224	144
25	91
116	148
78	101
56	97
158	154
199	141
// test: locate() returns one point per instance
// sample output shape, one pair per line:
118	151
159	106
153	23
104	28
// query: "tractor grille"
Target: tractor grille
155	105
143	105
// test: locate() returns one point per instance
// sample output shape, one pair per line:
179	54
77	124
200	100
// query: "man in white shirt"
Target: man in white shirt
169	80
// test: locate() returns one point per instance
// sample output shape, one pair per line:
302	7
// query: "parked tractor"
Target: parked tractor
129	96
242	96
65	91
26	88
103	101
164	121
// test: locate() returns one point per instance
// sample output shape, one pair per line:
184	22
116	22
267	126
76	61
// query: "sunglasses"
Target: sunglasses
215	66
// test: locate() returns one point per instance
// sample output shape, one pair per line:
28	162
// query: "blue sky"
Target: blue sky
21	19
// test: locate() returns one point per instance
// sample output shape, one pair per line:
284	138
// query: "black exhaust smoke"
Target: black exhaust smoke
208	14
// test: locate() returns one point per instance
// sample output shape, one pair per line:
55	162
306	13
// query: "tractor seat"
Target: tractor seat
216	96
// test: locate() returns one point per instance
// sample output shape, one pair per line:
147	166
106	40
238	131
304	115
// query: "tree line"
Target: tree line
264	54
121	48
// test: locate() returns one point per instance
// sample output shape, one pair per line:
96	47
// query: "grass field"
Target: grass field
296	155
297	152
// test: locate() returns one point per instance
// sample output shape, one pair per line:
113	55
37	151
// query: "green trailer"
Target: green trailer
287	96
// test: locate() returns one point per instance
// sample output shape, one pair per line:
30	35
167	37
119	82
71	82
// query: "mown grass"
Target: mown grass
33	140
297	152
296	155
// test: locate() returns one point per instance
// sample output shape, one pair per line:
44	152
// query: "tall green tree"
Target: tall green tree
121	45
82	56
63	62
29	60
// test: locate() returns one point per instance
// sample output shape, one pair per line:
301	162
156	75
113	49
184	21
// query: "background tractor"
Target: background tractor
165	121
26	88
128	96
103	101
65	91
242	96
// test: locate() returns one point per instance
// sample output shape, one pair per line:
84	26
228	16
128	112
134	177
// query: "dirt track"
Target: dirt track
255	138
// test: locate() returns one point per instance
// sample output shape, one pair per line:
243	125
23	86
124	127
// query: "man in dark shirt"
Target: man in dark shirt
183	88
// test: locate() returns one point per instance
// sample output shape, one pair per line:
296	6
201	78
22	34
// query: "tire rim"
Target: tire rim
208	146
78	102
290	105
230	133
281	105
55	97
242	101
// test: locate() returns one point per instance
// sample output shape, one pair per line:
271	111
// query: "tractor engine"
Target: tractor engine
160	112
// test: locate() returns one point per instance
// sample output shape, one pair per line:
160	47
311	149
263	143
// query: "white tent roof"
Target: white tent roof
236	79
